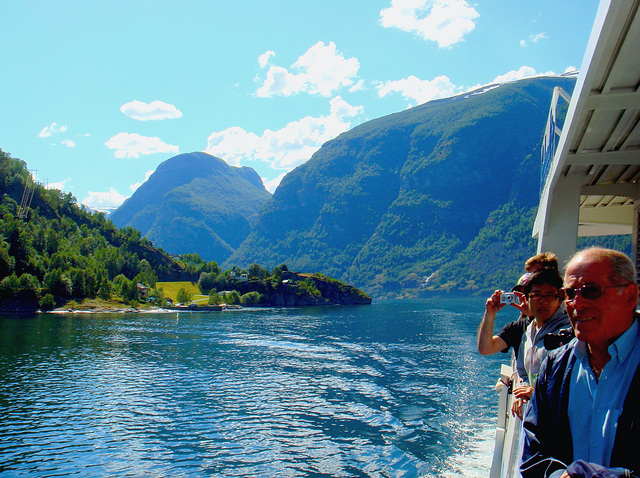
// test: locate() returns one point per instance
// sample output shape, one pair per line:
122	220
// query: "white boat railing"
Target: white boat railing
552	134
508	443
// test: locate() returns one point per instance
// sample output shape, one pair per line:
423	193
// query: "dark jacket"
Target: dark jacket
548	446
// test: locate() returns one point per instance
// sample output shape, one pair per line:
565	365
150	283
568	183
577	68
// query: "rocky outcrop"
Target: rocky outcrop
294	290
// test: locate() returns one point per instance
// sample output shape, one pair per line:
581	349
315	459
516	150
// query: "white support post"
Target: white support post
560	230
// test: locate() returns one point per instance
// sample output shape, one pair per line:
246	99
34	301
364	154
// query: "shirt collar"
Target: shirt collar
622	347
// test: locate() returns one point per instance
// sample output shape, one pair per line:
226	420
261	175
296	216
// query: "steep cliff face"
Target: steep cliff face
392	201
195	202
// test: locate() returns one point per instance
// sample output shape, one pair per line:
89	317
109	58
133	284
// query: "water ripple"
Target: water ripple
376	391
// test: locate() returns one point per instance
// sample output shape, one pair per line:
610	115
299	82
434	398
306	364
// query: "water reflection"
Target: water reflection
365	391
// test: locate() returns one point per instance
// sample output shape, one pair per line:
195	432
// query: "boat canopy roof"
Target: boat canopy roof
591	165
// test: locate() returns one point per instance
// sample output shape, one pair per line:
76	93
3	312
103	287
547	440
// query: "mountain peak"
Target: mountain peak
195	202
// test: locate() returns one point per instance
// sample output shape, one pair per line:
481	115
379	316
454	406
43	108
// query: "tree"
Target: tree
134	293
211	267
214	298
207	281
48	302
157	296
91	283
104	292
146	275
232	297
78	282
112	260
256	271
9	286
7	263
58	283
193	263
311	288
183	296
28	288
252	298
277	274
126	289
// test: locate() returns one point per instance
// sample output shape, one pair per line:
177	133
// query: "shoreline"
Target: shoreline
132	310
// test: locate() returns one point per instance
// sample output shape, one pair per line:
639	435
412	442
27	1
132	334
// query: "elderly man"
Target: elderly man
584	419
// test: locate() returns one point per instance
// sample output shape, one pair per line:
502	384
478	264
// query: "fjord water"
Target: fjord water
392	389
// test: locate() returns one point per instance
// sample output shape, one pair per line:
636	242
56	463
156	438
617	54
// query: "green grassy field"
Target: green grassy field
171	290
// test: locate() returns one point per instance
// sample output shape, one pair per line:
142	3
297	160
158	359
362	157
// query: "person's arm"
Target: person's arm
583	469
547	442
521	395
488	343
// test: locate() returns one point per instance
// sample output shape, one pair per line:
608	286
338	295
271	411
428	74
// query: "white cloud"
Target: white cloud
418	91
534	38
357	86
320	70
156	110
443	21
132	145
52	129
233	144
58	185
69	143
280	82
520	74
104	201
513	75
272	185
147	175
288	147
539	36
263	60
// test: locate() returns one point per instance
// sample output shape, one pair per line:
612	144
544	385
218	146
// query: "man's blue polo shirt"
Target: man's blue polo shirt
595	406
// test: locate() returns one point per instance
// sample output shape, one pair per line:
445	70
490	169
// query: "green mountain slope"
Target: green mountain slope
195	202
52	247
397	199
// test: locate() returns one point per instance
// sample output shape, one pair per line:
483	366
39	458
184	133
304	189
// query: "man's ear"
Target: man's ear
631	293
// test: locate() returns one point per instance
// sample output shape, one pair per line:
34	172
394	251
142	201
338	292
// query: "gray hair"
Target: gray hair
622	269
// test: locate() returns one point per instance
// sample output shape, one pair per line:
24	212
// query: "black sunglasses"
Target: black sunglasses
590	292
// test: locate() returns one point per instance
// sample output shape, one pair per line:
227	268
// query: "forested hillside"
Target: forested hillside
416	194
55	252
195	202
58	250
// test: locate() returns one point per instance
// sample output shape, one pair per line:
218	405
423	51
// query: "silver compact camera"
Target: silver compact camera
509	298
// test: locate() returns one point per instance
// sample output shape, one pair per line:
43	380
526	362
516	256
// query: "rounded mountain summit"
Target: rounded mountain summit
195	202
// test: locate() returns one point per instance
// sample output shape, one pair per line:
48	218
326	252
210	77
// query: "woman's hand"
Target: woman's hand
522	395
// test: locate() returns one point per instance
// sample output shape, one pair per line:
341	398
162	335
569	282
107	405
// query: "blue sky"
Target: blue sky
95	95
